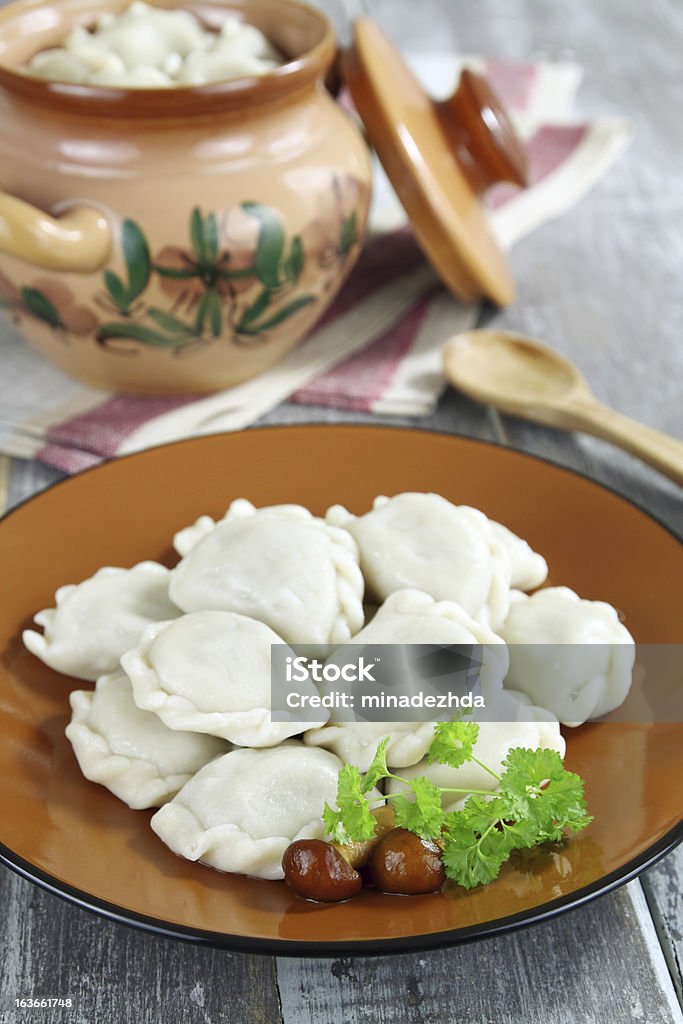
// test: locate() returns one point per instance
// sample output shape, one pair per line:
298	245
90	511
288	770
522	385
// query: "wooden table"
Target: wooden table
603	284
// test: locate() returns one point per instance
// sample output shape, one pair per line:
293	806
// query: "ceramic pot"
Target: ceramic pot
175	240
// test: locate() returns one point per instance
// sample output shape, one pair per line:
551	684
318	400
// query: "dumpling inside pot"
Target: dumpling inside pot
150	47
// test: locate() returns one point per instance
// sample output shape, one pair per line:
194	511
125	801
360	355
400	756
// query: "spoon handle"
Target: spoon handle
660	450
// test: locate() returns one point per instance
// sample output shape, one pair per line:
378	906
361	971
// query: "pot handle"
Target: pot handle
79	240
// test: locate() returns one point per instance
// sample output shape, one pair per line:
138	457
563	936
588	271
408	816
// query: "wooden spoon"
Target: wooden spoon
521	376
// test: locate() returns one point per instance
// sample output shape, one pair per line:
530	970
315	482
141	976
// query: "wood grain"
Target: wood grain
114	973
593	966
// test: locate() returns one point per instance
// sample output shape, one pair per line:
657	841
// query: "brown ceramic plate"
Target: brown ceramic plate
75	839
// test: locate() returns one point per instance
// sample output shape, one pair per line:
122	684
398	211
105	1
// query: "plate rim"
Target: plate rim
361	947
352	947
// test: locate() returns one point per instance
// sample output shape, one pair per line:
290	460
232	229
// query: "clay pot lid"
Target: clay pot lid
440	158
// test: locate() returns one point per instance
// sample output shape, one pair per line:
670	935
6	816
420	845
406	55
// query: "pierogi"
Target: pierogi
242	811
279	565
98	620
209	672
129	751
528	569
150	47
569	655
424	542
181	713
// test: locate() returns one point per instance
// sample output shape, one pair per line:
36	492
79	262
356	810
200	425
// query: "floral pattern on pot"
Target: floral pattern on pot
238	278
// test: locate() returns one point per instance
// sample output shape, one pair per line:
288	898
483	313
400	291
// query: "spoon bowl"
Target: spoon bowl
510	371
521	376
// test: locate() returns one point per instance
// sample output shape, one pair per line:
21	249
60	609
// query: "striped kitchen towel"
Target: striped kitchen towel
377	349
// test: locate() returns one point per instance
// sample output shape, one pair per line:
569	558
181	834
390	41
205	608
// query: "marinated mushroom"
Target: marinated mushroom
404	863
316	870
326	872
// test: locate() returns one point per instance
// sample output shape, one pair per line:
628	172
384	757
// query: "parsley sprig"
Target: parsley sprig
536	800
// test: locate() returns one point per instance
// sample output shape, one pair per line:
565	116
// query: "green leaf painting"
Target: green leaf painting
169	322
138	268
212	299
270	245
38	303
141	333
294	263
349	234
257	308
136	255
204	237
277	318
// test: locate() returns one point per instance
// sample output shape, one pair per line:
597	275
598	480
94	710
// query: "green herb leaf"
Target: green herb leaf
352	820
378	769
270	245
537	786
453	743
41	307
334	825
423	815
474	847
537	799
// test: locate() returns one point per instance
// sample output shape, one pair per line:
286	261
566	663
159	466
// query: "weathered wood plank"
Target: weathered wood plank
592	966
663	887
114	973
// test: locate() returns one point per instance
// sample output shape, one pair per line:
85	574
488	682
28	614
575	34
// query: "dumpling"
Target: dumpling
187	538
356	742
423	541
571	656
142	36
222	64
242	811
528	569
210	672
96	621
413	617
279	565
130	751
493	743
